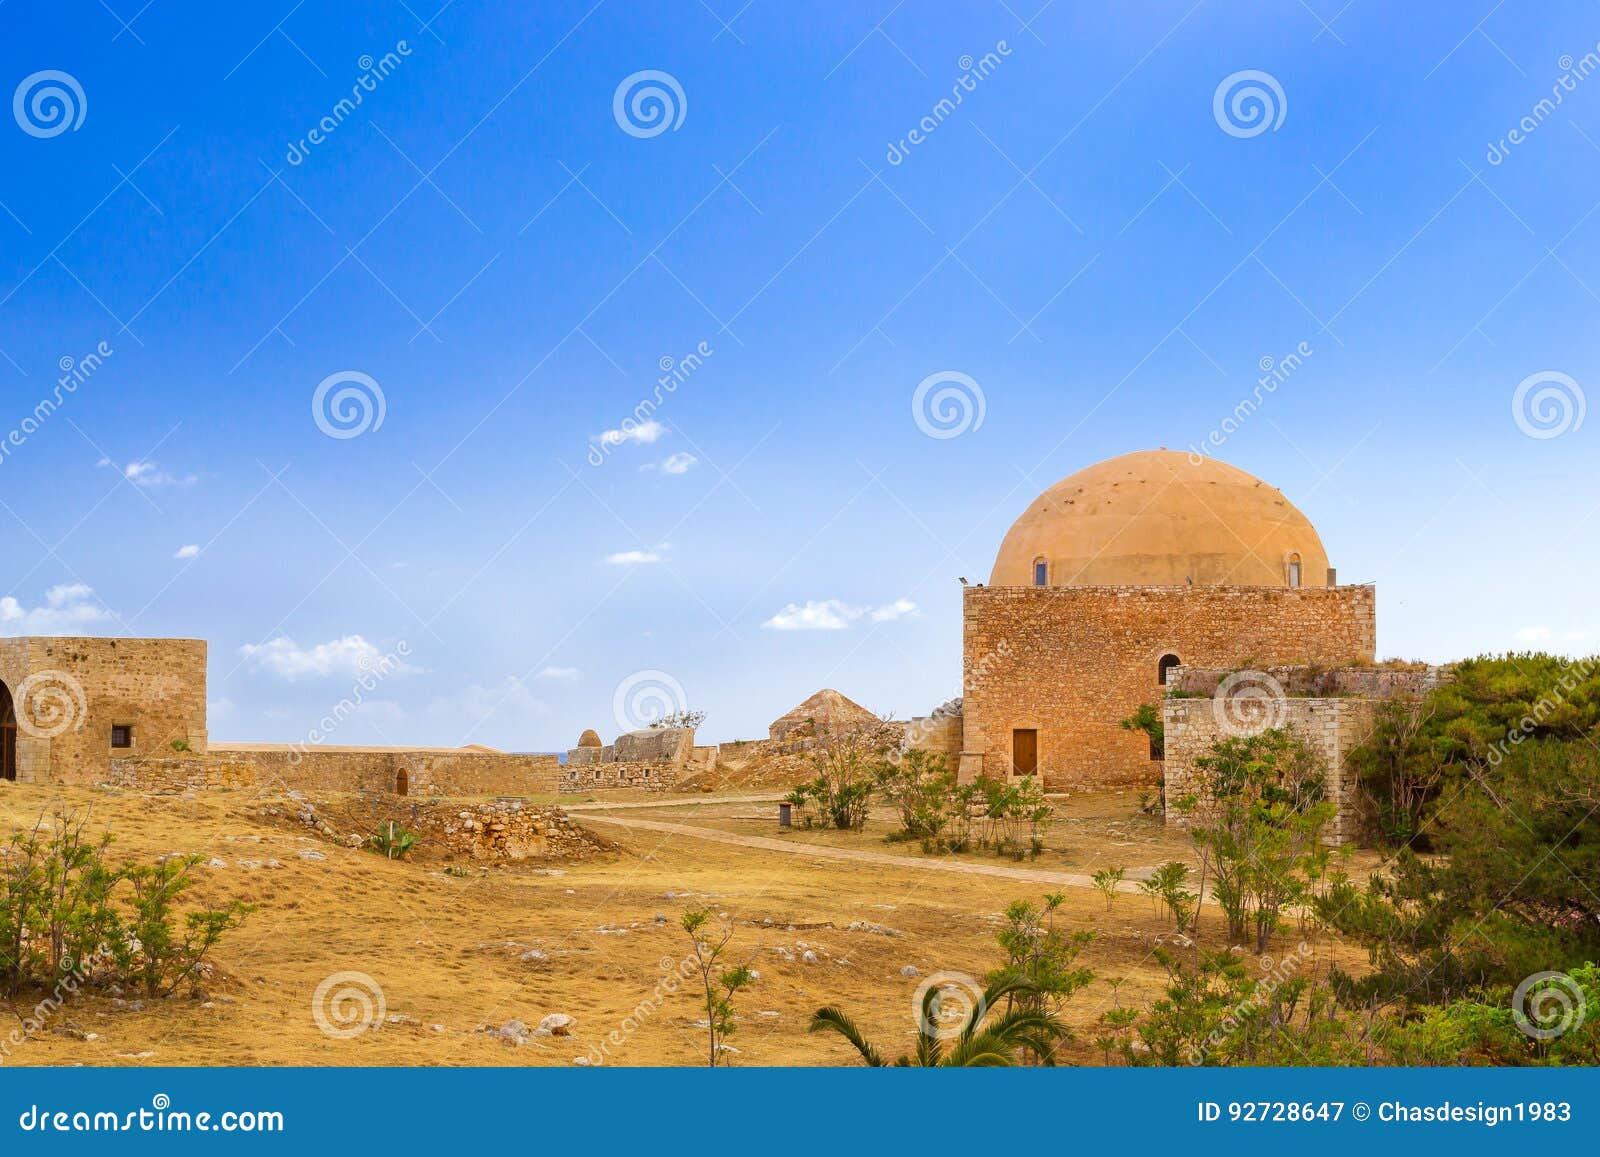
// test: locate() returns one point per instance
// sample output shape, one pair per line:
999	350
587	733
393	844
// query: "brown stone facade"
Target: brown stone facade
1067	663
419	771
74	697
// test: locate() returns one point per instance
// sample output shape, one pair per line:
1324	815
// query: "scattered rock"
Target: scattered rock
557	1024
532	956
436	1027
809	956
308	854
216	862
911	970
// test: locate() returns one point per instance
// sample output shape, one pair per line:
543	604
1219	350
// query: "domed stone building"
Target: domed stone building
1117	574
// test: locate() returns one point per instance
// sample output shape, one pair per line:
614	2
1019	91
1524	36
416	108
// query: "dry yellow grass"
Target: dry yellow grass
449	951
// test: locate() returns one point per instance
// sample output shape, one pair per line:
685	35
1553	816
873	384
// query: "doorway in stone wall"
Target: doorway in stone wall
8	735
1024	751
402	782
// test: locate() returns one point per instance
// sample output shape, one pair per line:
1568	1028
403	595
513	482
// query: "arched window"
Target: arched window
1294	570
1167	663
1041	572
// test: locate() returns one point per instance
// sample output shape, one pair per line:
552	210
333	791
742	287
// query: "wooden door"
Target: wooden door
1024	751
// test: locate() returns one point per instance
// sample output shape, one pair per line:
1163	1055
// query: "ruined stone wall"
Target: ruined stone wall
505	831
427	772
940	735
68	694
645	775
1070	662
1331	726
1407	681
179	774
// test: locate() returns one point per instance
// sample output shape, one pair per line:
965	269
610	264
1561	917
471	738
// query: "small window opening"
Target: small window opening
1294	570
122	735
1041	572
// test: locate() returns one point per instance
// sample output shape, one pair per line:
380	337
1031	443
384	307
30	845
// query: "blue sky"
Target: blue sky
1105	256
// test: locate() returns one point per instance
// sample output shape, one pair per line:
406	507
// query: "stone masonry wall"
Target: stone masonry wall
645	776
441	773
1070	662
1331	726
70	692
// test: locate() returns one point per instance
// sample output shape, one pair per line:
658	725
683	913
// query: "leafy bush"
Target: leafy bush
1257	820
66	911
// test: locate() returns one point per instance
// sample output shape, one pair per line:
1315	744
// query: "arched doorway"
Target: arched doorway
8	735
402	782
1167	663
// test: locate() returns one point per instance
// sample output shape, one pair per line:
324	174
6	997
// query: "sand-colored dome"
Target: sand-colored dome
589	739
1161	518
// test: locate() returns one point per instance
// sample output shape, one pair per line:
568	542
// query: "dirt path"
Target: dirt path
821	852
697	801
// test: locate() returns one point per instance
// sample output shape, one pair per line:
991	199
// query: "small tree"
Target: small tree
1108	882
1147	718
1258	818
719	986
159	951
687	719
921	788
848	762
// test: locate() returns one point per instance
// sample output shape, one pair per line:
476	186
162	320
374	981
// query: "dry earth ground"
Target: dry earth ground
592	939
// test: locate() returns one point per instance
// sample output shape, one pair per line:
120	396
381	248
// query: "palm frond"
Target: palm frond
832	1019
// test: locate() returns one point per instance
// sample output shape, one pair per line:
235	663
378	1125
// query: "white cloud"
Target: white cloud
189	550
67	609
835	615
560	674
826	615
643	433
1534	635
680	463
633	557
143	472
509	700
889	612
350	655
